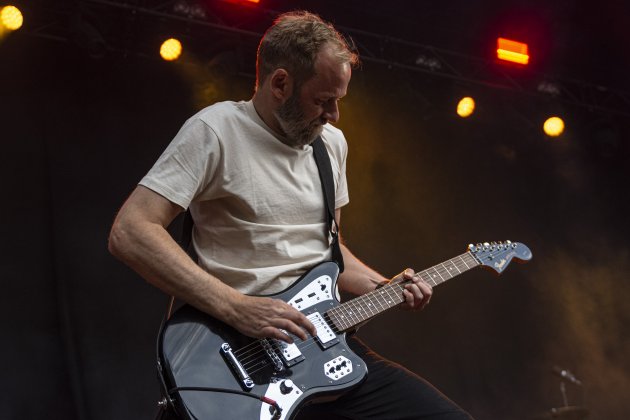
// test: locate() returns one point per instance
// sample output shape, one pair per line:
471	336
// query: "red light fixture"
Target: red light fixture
512	51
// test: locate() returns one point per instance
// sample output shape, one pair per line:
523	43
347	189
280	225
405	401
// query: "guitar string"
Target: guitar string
380	295
439	268
361	317
305	344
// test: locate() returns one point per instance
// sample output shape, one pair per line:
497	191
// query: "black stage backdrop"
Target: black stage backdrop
79	327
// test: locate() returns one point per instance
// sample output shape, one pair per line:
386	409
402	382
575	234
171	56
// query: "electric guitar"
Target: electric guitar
209	370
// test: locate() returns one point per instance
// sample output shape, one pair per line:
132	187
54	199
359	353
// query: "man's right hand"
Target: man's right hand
261	317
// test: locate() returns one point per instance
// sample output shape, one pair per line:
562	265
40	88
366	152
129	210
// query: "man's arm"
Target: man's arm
139	238
359	279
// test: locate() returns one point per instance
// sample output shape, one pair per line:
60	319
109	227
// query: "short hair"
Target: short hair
293	42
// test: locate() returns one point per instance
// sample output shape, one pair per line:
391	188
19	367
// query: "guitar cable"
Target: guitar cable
262	398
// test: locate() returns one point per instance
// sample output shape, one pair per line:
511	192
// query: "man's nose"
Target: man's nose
331	112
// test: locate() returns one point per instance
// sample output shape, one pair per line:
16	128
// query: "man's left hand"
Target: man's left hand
417	292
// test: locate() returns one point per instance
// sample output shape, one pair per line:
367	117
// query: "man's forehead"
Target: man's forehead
331	74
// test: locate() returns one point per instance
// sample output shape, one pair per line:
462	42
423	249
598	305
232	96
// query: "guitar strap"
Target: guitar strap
328	186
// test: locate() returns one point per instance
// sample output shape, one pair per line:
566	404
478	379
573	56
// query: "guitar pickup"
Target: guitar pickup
325	335
290	352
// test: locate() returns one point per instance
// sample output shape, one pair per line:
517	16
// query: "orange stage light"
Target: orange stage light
513	51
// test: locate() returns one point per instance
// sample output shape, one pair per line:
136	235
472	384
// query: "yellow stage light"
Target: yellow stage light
11	17
466	107
171	49
553	127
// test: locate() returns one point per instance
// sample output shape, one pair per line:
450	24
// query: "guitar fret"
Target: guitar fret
388	299
353	312
434	269
456	267
366	313
341	318
447	271
368	297
379	297
338	319
427	278
464	261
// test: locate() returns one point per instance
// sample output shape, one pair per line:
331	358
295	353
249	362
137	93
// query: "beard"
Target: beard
297	130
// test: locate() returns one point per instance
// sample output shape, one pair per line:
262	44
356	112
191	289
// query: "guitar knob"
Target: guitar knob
286	386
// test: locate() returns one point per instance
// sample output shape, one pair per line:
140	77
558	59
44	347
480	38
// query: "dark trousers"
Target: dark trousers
390	392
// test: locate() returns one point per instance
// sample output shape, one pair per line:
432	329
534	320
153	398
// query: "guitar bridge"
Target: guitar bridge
271	354
239	370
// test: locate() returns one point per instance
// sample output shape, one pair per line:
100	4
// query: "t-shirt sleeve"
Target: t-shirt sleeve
187	165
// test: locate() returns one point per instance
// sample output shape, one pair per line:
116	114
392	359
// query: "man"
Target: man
246	172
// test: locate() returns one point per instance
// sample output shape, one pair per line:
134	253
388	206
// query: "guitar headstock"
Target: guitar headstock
498	255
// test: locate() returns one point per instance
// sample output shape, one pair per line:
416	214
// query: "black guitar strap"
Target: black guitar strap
328	186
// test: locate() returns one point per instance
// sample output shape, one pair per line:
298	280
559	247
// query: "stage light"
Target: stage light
513	51
11	18
465	107
553	126
243	1
171	49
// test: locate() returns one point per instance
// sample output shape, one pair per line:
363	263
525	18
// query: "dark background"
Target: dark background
81	123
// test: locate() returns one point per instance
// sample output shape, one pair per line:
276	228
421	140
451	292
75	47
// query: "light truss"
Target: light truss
374	48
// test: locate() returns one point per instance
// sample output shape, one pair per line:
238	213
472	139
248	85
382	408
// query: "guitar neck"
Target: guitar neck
352	313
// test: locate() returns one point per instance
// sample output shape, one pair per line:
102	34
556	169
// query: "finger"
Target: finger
407	274
290	327
300	319
425	289
417	298
272	332
409	298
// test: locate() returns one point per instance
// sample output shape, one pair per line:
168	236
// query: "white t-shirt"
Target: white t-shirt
257	203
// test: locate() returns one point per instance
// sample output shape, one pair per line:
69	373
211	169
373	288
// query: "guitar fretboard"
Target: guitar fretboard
360	309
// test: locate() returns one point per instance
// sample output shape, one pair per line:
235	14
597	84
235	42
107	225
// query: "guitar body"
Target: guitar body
198	351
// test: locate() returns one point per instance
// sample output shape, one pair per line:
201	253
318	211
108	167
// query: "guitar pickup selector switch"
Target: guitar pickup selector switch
337	368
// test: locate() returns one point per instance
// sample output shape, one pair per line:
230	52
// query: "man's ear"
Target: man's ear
281	84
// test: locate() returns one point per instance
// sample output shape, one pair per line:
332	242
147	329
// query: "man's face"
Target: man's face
303	115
